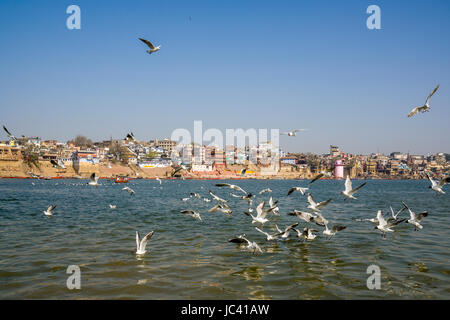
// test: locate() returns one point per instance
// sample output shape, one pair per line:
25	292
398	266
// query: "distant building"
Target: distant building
338	169
334	151
288	160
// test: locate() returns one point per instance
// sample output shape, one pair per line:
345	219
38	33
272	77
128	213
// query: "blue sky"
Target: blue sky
235	64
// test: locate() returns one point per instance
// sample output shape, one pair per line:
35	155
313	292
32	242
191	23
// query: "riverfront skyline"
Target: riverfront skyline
262	64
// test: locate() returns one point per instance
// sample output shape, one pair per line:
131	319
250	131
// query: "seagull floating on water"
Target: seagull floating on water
141	244
425	107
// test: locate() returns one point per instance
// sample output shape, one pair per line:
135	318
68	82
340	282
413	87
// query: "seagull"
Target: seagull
268	236
395	215
193	194
310	217
49	211
302	190
194	214
285	234
158	179
385	226
130	137
206	200
331	232
243	171
131	191
265	190
275	208
57	165
93	180
112	206
348	192
222	208
426	106
437	186
216	197
9	134
415	218
327	173
293	133
248	197
231	186
260	214
140	245
251	245
151	46
185	199
307	233
316	206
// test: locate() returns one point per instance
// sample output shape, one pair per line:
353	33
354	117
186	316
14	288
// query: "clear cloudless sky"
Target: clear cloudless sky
233	64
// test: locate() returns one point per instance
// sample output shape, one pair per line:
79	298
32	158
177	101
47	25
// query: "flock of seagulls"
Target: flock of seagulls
266	209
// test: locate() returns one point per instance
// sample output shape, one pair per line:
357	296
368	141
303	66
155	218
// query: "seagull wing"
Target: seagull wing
337	228
422	215
324	203
260	213
444	181
311	200
348	184
138	242
148	43
50	209
257	229
145	239
381	220
92	177
433	182
8	133
415	110
320	175
357	188
429	96
187	211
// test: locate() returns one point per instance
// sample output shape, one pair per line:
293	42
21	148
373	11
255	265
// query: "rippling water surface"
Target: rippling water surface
189	259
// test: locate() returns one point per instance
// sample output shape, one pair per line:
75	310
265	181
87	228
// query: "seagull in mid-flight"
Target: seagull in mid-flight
141	244
293	132
301	190
265	190
307	233
269	237
437	186
331	232
348	192
251	245
192	213
425	107
415	218
385	226
316	206
49	211
231	186
150	45
285	234
93	180
131	191
9	134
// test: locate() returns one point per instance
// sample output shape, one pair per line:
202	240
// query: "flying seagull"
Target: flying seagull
310	217
131	191
301	190
437	186
268	236
49	211
113	206
260	214
415	218
151	46
306	234
425	107
285	234
141	244
348	192
193	194
316	206
222	207
158	179
395	215
293	133
93	180
216	197
274	207
130	137
331	232
385	226
9	134
193	214
265	190
327	173
231	186
251	245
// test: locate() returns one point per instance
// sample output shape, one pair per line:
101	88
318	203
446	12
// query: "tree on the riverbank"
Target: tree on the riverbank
81	141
